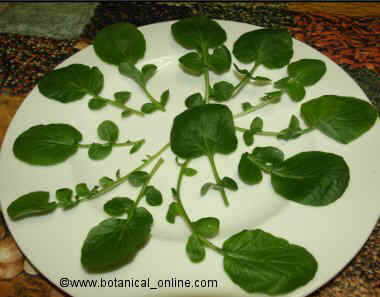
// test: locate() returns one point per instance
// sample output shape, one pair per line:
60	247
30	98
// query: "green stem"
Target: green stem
244	81
271	133
186	217
121	106
121	144
206	74
125	177
253	108
152	99
218	179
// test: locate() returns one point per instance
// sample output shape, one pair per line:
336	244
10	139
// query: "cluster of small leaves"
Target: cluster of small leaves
257	125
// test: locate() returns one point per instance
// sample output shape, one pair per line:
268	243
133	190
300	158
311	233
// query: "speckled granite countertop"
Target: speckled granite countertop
352	42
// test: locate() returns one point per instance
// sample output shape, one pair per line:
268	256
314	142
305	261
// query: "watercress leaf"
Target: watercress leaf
206	187
341	118
248	137
126	113
105	181
172	212
195	249
64	197
136	147
223	91
293	131
118	206
96	103
307	71
190	171
197	131
252	254
71	83
192	63
164	98
272	48
244	72
129	69
275	96
98	151
197	32
311	178
257	125
261	79
148	108
249	172
229	183
47	144
120	42
296	91
33	203
207	227
108	131
114	242
267	156
138	178
82	190
122	97
194	100
147	72
220	60
153	196
246	106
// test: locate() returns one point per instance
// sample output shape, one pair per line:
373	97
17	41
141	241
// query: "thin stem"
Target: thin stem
206	75
186	217
125	177
121	144
152	99
121	106
218	179
244	81
253	108
272	133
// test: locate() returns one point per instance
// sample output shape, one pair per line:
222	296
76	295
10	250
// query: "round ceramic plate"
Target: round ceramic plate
333	234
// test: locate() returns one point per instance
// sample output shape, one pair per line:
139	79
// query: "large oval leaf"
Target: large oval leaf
311	178
71	83
115	241
342	118
120	42
307	72
203	130
259	262
47	144
272	48
198	32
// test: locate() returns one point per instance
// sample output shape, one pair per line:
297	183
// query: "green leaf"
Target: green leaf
118	43
293	131
341	118
82	190
114	242
172	213
30	204
64	197
47	144
136	147
197	131
122	97
147	72
246	106
148	108
105	181
153	196
272	48
311	178
126	113
195	249
249	172
295	90
267	157
229	183
261	79
207	227
206	187
71	83
164	98
138	178
108	131
98	151
307	72
222	91
129	69
220	60
96	103
259	262
197	32
257	125
248	137
194	100
118	206
192	63
190	171
274	97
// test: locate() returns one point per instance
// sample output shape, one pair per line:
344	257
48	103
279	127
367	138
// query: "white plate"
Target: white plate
334	234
